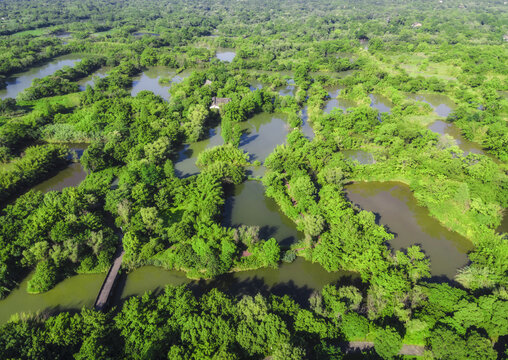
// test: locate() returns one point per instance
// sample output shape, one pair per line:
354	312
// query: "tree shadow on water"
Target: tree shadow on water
247	138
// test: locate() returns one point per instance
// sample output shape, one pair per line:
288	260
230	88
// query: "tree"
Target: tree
387	343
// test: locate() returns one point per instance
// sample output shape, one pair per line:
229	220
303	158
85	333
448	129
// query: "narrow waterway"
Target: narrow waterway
71	176
19	82
363	157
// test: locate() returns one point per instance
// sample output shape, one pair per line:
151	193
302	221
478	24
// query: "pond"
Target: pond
90	80
72	175
19	82
337	102
443	127
71	294
441	104
288	90
397	209
503	228
149	80
255	85
262	133
363	157
185	159
226	55
247	204
380	103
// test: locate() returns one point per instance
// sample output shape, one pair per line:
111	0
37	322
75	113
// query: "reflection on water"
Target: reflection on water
503	228
288	90
21	81
90	80
441	104
298	279
71	294
396	207
361	156
442	128
306	128
262	133
141	34
72	175
226	55
381	103
149	80
185	162
248	205
255	85
336	102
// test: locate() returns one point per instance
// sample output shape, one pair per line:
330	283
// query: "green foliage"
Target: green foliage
387	343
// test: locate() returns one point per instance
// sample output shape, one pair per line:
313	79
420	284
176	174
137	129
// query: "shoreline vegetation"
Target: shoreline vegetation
302	98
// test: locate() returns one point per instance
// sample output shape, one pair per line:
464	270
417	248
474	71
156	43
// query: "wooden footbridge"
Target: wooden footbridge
108	286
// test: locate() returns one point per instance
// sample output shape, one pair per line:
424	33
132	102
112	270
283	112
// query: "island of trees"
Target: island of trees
413	95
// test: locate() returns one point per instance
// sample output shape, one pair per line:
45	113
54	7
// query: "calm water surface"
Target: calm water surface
289	89
72	175
71	294
248	205
262	134
396	208
185	161
443	127
380	103
226	55
306	127
141	34
363	157
19	82
149	80
298	279
90	80
441	104
337	102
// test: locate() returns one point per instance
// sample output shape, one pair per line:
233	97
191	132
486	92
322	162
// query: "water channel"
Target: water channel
442	127
19	82
397	209
289	89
